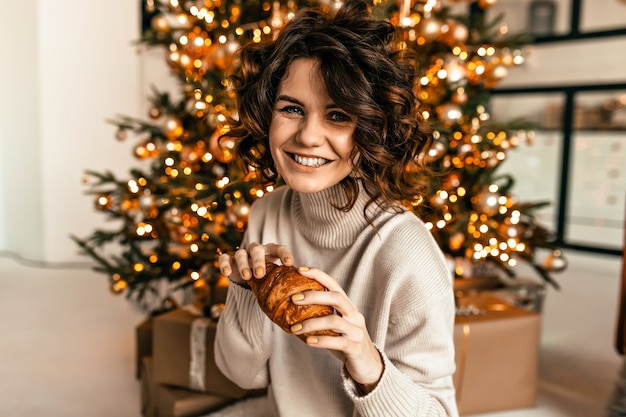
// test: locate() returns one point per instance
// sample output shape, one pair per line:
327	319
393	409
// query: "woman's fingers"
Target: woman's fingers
257	253
275	251
224	264
243	263
322	277
251	262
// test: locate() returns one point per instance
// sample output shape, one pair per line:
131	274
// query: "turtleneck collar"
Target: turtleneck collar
326	226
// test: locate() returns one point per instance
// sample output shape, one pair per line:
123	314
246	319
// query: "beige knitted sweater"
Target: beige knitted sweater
397	278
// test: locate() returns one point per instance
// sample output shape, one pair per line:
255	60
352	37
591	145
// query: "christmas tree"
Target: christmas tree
173	217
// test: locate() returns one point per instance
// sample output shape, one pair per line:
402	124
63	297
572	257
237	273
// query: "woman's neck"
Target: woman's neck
319	219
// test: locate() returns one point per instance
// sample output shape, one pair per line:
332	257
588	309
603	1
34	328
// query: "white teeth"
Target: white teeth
310	162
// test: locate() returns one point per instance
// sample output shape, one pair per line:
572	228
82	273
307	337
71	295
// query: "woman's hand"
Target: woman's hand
354	345
245	264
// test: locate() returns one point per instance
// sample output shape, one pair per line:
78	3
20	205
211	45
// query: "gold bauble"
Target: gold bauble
154	112
449	113
476	70
459	96
241	211
103	202
456	241
172	127
452	181
160	24
436	151
456	70
216	311
429	28
121	135
457	33
555	262
488	202
118	286
494	74
433	94
146	149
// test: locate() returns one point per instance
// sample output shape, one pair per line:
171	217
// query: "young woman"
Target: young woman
329	108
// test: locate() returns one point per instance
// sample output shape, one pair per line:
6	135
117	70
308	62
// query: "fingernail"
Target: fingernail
303	268
227	271
258	271
246	273
288	259
297	297
296	327
311	340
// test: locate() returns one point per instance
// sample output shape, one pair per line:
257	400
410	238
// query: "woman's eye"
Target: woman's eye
291	110
337	116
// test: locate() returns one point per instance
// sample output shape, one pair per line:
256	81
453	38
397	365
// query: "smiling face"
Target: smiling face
310	137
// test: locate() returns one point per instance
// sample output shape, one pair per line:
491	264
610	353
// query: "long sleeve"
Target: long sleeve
404	391
244	336
416	340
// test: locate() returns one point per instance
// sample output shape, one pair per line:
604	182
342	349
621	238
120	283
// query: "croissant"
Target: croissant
273	293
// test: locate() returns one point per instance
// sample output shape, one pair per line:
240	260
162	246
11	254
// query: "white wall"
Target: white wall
69	66
20	187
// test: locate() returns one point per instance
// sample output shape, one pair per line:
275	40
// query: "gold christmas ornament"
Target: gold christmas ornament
429	28
494	74
459	96
172	127
456	241
103	202
118	287
455	70
436	151
455	33
146	149
154	112
449	113
555	262
121	135
160	24
216	311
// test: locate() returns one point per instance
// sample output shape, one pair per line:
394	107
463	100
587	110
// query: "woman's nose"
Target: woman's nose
311	132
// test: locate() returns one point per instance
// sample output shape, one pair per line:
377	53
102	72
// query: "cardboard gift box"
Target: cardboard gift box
165	401
183	354
147	393
178	402
143	344
497	354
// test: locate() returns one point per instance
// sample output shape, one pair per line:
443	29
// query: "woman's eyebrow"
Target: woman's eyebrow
285	97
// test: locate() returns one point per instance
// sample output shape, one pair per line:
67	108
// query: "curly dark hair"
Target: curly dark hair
365	75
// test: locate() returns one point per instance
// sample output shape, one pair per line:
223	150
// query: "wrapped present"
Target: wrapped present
183	354
497	353
179	402
143	344
143	335
147	389
165	401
